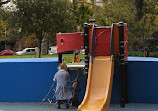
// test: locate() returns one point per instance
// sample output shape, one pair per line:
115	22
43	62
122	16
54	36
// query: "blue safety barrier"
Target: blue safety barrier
29	80
26	80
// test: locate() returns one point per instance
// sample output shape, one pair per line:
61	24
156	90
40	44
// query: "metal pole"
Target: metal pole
59	58
86	47
122	65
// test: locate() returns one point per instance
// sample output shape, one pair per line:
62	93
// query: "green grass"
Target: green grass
141	54
136	54
67	57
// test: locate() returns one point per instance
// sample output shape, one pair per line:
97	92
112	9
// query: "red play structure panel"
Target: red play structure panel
102	47
69	41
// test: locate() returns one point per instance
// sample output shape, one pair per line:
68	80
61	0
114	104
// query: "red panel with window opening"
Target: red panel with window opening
69	41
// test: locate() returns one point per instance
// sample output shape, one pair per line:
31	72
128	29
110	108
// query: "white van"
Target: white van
52	50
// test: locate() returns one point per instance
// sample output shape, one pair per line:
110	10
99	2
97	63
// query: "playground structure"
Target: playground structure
103	46
29	80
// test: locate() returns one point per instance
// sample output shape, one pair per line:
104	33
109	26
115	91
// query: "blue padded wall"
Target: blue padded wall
82	80
143	80
29	80
26	80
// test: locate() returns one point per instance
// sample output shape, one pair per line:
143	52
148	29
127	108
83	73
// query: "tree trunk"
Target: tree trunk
40	36
139	5
79	28
143	35
147	54
44	47
39	46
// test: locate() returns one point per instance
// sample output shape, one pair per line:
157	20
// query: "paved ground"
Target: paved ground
52	107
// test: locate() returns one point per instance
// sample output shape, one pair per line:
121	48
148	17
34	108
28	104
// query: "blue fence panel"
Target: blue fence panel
29	80
26	80
143	80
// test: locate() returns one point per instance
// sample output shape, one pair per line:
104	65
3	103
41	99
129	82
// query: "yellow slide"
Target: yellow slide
99	86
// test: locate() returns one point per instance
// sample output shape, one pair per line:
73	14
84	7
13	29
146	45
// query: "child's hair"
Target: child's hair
62	65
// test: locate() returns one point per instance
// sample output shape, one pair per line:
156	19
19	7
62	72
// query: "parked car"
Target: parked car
26	51
7	52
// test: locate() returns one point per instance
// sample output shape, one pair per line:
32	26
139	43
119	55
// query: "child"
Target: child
62	91
75	93
76	58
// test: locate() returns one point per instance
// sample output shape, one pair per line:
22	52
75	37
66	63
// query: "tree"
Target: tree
2	30
147	22
4	2
3	26
152	42
115	11
30	41
11	32
139	6
82	11
140	15
43	17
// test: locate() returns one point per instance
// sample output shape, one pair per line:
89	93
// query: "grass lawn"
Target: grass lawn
141	54
67	57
